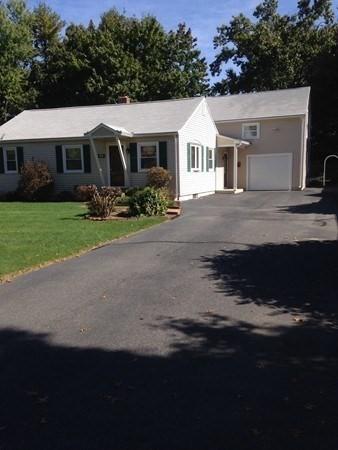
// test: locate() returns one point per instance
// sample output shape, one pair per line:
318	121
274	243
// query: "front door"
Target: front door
225	159
116	167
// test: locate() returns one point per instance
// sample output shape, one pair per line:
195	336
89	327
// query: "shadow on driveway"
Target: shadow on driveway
225	385
299	278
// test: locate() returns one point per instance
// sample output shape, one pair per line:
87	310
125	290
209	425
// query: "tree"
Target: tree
275	51
16	53
124	56
46	27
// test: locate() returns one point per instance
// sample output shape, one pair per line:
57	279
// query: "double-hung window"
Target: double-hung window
148	155
210	158
73	158
196	154
250	131
11	160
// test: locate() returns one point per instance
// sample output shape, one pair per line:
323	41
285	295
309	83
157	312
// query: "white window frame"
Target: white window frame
16	160
212	159
146	144
199	159
251	124
64	148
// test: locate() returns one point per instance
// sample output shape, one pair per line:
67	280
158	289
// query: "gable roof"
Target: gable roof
280	103
163	116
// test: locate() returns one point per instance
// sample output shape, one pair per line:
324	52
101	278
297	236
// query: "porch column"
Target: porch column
98	165
235	167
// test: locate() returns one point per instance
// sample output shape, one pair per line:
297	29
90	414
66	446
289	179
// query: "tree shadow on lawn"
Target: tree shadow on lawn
224	385
299	278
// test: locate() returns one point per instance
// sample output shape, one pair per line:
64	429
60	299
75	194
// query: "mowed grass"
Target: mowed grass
32	234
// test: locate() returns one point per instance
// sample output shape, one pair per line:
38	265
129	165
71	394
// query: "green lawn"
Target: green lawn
35	233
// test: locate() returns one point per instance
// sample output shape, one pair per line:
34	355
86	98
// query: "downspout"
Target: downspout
235	174
177	167
301	163
92	143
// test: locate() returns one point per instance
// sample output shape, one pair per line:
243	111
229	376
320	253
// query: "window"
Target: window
250	131
148	155
196	158
210	158
73	158
11	160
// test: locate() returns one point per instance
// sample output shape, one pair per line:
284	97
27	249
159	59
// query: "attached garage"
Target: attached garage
269	172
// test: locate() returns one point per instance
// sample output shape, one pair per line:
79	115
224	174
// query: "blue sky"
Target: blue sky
203	16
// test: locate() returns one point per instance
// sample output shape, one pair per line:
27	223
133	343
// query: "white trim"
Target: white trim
199	146
251	124
260	118
269	154
64	147
16	160
212	150
144	144
185	123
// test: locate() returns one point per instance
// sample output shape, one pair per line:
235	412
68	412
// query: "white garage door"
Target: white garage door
269	172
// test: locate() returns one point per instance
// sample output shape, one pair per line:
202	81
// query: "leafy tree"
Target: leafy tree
16	53
274	51
46	27
124	56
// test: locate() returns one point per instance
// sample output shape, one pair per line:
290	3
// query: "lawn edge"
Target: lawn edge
8	278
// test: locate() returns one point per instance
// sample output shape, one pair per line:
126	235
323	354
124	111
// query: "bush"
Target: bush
84	192
36	182
148	202
159	177
103	201
64	196
11	196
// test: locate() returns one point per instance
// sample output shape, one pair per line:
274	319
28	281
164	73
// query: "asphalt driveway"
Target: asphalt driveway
217	330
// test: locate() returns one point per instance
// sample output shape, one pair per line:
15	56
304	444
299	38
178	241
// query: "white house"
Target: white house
227	143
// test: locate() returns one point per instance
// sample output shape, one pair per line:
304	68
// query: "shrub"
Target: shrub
148	202
84	192
103	201
11	196
36	182
159	177
65	196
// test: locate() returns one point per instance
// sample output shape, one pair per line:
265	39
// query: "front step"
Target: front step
230	191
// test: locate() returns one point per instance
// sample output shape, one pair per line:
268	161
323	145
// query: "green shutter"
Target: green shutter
163	154
19	154
86	159
189	157
207	158
2	164
59	159
202	158
215	160
133	156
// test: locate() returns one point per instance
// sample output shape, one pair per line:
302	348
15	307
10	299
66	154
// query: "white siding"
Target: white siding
199	129
140	178
45	151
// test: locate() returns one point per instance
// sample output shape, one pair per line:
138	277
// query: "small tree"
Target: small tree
159	177
36	182
103	201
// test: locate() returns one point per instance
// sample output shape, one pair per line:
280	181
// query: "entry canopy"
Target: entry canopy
226	141
101	131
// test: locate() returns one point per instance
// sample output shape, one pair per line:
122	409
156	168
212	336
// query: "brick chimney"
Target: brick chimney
124	100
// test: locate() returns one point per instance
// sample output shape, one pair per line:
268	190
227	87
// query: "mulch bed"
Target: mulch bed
121	213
